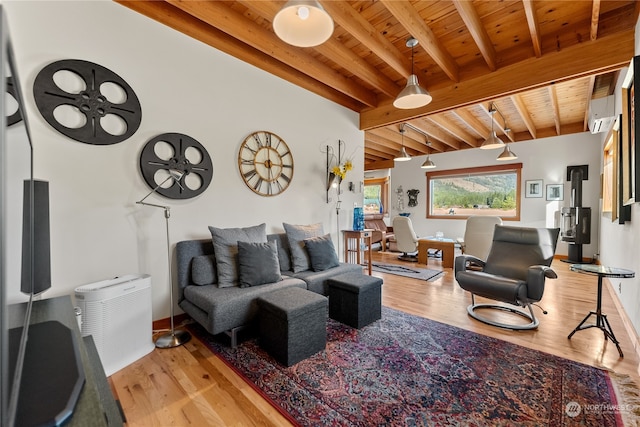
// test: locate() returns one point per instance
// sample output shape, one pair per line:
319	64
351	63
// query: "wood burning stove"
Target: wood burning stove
576	219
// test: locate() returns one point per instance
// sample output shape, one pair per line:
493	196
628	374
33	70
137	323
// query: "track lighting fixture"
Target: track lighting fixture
402	155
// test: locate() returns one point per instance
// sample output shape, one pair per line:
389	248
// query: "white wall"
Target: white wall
545	159
620	243
184	86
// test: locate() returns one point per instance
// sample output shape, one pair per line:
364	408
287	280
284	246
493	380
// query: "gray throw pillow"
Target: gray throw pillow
258	264
225	248
283	250
203	270
322	253
296	235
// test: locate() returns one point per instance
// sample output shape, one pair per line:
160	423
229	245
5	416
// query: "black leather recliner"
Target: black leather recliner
514	272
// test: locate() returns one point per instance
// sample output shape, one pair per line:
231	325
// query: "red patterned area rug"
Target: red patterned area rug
405	370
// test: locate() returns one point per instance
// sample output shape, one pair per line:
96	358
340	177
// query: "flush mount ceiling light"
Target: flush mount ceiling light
493	141
428	164
402	155
303	23
413	95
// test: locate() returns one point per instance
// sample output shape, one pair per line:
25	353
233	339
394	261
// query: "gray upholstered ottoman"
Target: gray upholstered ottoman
292	324
355	299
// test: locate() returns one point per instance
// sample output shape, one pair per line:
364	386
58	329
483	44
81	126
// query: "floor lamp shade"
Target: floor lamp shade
36	240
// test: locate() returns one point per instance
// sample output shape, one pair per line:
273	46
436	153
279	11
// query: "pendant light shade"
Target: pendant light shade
303	23
492	141
413	95
507	154
428	164
402	155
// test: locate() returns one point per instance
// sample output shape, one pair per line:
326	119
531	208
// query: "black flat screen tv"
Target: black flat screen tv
41	376
16	169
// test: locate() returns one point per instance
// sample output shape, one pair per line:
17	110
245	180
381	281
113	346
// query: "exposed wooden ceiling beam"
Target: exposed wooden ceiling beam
553	97
524	114
233	23
534	27
592	82
352	22
452	130
385	164
593	57
336	52
189	25
409	18
595	18
472	122
471	19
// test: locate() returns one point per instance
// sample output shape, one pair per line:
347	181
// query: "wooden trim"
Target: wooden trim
382	164
476	171
165	324
626	321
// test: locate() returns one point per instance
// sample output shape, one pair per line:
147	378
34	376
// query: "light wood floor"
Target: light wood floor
187	385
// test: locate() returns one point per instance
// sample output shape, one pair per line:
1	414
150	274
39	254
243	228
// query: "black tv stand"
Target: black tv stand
52	377
54	335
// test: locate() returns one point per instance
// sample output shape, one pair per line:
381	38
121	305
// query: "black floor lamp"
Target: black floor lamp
175	337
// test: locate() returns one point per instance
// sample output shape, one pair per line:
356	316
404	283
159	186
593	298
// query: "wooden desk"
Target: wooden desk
353	246
447	246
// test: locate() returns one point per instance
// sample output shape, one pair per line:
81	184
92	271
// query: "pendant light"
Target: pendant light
413	95
303	23
507	154
492	141
428	164
402	155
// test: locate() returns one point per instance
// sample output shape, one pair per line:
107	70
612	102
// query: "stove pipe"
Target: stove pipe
576	188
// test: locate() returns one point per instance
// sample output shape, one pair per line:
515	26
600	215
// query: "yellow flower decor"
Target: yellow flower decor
341	170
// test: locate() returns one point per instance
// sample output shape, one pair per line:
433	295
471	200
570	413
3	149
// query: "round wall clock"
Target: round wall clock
266	163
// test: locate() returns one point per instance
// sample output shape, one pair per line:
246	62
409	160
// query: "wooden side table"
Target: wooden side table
353	246
447	246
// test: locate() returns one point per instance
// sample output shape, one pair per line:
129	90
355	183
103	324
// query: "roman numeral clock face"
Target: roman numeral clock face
266	163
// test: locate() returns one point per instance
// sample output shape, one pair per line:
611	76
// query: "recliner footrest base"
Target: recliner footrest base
533	322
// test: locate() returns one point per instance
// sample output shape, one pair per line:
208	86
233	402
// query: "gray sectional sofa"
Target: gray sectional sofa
230	309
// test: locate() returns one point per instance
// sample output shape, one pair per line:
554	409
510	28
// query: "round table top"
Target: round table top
602	270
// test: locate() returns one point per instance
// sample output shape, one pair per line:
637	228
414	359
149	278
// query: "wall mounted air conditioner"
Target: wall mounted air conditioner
117	313
601	114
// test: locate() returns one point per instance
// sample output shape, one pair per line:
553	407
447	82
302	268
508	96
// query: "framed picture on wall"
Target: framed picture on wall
630	134
555	192
533	188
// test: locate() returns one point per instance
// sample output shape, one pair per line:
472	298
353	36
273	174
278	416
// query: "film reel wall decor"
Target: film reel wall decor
15	116
175	152
87	102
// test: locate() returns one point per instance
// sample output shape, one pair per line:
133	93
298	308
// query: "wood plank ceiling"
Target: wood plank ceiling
540	62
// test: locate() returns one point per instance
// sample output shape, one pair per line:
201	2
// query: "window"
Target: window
490	190
376	195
